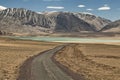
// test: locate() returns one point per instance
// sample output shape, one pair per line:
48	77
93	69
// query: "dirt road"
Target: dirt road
43	68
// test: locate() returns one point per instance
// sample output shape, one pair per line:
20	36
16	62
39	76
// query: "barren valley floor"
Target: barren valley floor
14	52
94	61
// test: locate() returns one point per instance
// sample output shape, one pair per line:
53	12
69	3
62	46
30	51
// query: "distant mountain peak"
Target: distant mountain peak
87	13
20	20
112	27
2	8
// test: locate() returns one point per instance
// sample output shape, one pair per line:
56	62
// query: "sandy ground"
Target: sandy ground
14	52
93	61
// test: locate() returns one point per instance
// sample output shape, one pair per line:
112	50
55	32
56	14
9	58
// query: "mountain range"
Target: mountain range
112	27
23	21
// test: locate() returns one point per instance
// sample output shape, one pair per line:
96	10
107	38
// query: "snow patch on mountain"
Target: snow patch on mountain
2	8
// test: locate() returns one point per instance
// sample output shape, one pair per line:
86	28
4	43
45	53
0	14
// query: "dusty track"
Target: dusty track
43	68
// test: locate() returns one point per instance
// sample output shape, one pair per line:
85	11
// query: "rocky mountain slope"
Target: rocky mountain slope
19	20
112	27
97	22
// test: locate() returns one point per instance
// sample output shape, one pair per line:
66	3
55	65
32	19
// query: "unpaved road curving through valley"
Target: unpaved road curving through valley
43	68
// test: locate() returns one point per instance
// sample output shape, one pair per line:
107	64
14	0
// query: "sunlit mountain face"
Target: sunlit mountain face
2	8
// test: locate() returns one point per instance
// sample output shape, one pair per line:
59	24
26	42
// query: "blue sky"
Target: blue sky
109	9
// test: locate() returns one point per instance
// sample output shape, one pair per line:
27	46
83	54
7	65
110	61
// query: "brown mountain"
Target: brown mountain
112	27
19	20
96	21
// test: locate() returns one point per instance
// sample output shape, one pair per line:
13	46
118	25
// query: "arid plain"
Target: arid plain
94	61
14	52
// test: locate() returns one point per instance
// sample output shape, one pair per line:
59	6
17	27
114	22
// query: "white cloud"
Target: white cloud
3	8
89	9
104	8
81	6
55	7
